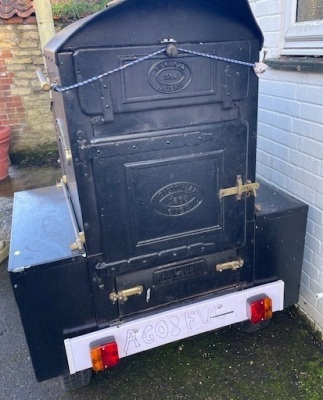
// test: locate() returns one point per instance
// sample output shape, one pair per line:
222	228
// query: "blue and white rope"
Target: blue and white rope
256	66
211	56
113	71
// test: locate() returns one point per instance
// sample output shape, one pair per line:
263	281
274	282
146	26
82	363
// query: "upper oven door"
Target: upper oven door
159	92
158	193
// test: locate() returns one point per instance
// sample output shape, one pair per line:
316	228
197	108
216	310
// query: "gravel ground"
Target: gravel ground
283	361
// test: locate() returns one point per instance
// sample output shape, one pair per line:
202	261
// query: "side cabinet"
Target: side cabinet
50	280
280	239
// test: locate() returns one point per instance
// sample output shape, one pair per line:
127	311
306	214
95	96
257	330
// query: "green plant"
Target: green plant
72	10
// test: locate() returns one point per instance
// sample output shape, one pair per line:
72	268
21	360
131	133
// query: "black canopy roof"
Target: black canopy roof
67	39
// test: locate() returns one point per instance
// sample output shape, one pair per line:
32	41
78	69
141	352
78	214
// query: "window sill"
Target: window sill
300	64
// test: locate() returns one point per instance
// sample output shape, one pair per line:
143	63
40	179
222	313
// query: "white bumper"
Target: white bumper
169	326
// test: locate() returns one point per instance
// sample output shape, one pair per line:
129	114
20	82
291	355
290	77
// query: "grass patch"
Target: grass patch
44	155
311	379
73	10
281	362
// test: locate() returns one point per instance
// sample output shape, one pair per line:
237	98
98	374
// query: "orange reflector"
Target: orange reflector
260	310
105	356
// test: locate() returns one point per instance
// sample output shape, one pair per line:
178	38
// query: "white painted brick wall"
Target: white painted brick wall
290	146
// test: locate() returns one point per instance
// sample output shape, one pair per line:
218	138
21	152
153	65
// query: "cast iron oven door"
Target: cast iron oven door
159	194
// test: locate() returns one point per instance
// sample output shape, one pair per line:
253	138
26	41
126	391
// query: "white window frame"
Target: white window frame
301	38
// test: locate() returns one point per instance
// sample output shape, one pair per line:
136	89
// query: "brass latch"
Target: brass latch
123	295
78	244
238	190
234	265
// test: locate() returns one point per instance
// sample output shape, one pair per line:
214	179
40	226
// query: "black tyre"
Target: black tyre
76	381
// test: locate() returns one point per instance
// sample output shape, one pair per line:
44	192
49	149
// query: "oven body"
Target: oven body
157	141
153	144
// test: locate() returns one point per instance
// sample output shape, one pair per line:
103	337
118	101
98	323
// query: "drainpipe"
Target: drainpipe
45	21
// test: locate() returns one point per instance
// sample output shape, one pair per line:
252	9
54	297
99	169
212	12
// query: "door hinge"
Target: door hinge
238	190
123	295
85	152
233	265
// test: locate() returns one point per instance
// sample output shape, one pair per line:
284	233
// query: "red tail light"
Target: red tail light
260	309
105	356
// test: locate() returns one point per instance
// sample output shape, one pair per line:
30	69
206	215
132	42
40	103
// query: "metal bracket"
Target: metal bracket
233	265
168	40
123	295
228	87
44	84
238	190
107	105
62	138
62	182
79	236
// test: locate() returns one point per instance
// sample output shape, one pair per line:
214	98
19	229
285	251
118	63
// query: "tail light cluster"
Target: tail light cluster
259	309
105	356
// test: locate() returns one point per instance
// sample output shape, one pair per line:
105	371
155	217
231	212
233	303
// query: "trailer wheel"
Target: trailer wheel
77	380
249	327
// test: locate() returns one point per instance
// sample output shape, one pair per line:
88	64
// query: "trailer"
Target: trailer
158	229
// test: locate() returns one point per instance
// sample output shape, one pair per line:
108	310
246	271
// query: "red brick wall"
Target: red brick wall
23	105
12	110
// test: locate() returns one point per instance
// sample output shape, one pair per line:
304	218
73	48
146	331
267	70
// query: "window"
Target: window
309	10
303	28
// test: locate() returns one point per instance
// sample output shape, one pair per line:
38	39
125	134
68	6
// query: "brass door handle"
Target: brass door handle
239	189
123	295
233	265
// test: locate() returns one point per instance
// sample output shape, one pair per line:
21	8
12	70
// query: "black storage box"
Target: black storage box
50	279
280	239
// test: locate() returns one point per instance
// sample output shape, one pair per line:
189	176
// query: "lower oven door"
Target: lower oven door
159	194
171	283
